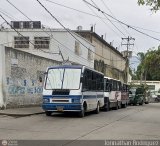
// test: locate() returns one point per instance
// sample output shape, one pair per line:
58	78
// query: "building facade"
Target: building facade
49	43
107	58
152	85
24	58
21	77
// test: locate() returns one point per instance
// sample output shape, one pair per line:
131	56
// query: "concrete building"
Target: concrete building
152	85
21	77
24	59
107	58
46	42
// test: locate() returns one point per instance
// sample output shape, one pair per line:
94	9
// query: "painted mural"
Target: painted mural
21	87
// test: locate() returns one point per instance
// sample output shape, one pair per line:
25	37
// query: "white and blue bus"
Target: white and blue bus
73	88
112	93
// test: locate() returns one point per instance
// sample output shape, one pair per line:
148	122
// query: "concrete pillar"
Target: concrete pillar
2	77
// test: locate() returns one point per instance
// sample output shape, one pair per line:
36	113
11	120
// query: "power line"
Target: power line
60	53
62	24
6	15
102	20
114	15
58	41
17	9
96	15
43	50
109	20
147	29
23	35
71	8
69	30
61	5
129	26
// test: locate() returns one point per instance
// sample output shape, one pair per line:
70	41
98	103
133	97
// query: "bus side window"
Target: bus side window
85	85
94	86
111	85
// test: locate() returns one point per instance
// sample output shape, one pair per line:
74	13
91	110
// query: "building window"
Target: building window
41	42
78	50
21	42
90	54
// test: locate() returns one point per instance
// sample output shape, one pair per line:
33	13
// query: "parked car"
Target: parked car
136	96
157	99
155	96
147	97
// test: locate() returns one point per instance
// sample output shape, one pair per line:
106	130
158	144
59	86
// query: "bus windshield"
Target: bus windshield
63	78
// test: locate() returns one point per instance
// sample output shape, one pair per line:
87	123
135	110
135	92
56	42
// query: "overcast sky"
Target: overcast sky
127	11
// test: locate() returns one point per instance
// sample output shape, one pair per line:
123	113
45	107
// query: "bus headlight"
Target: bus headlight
45	100
75	100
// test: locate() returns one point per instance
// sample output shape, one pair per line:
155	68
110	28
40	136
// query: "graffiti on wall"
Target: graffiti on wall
21	87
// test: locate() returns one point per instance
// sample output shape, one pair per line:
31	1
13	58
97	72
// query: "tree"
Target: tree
154	4
141	67
149	68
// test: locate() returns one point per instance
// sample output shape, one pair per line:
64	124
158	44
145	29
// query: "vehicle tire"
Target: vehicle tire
124	105
107	106
48	113
97	109
156	100
147	102
141	103
120	105
116	107
134	103
82	113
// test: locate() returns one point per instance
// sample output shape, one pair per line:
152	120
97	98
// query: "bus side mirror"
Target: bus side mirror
81	80
45	73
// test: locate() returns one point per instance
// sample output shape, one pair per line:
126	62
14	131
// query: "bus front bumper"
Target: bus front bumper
61	107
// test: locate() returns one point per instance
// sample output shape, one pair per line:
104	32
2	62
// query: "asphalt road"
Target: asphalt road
134	122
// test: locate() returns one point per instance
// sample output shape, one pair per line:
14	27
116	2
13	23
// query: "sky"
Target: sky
127	11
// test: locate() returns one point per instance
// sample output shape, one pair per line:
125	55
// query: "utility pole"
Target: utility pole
128	44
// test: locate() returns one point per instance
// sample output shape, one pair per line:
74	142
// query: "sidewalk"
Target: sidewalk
28	111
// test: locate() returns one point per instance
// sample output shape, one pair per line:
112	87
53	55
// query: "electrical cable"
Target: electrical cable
129	26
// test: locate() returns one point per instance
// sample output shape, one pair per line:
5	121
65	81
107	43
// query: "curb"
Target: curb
21	115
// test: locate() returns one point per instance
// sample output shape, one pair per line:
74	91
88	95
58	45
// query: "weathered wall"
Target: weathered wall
24	72
62	41
113	65
2	77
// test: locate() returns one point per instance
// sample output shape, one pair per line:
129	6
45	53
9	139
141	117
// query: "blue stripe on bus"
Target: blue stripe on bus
73	96
89	96
63	96
68	106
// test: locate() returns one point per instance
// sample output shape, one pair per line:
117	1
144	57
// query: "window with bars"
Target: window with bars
78	50
90	54
41	42
21	42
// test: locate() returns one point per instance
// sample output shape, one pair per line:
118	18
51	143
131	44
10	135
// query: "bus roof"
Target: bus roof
111	78
66	66
75	67
108	78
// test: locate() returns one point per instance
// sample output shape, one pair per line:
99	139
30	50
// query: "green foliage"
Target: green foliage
154	4
149	68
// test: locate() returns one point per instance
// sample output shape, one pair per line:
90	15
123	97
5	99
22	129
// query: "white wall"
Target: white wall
2	76
153	83
7	36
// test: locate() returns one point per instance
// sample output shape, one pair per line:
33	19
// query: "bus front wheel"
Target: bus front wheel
116	106
97	109
81	113
48	113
